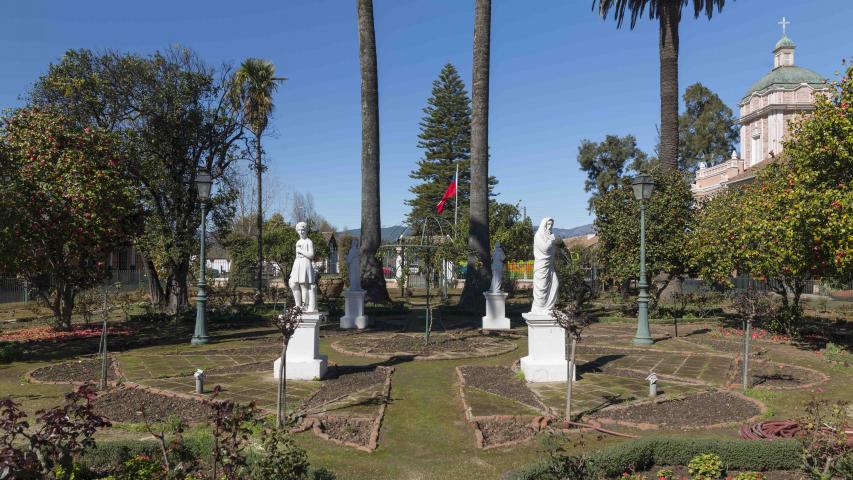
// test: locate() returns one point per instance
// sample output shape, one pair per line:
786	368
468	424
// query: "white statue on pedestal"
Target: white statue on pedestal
353	259
497	268
303	279
544	269
398	266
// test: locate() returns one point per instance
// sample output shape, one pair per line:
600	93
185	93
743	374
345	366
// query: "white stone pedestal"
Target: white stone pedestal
354	310
304	361
546	350
495	318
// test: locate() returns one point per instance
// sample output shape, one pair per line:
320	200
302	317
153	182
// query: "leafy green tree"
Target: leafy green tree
605	162
669	216
446	141
668	14
173	116
252	90
67	205
706	130
790	225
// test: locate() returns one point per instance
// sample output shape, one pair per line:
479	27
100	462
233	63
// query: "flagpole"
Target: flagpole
456	198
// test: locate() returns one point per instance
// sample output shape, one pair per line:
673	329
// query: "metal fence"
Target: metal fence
19	290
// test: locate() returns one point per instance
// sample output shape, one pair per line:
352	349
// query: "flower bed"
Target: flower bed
46	333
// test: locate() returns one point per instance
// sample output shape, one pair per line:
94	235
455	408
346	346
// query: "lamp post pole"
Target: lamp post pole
643	336
200	336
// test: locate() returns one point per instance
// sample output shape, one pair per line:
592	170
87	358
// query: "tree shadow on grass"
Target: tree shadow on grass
609	400
596	366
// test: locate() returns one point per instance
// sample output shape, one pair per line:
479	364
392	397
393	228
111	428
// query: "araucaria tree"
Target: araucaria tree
67	204
372	279
478	275
172	114
668	14
446	141
252	90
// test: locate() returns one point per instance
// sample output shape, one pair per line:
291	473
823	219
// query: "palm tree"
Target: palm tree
252	89
372	279
668	14
478	274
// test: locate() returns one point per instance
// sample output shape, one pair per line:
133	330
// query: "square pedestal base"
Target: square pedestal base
495	318
303	358
354	310
546	346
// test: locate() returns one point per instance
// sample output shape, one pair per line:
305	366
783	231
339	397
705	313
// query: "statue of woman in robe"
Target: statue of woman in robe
544	268
303	279
354	267
497	268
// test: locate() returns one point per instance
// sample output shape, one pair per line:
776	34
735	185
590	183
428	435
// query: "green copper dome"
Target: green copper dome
787	77
784	42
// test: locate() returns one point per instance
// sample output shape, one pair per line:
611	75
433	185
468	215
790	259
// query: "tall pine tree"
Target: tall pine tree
446	140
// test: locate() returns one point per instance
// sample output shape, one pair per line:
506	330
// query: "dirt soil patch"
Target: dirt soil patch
86	370
500	381
347	429
128	405
774	375
342	381
703	409
498	431
415	345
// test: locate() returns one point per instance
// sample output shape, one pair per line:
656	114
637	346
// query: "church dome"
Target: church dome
787	77
784	42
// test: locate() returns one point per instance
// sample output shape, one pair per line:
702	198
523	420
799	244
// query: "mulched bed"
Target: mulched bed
48	333
347	429
498	431
500	381
437	344
86	370
703	409
341	381
128	404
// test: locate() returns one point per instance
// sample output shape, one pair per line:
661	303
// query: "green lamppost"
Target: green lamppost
643	187
203	182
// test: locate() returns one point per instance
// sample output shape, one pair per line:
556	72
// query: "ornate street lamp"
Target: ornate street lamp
643	186
203	182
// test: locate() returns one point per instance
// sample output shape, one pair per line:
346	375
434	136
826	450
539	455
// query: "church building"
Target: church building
765	112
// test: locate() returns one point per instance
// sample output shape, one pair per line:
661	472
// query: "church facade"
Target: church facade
766	110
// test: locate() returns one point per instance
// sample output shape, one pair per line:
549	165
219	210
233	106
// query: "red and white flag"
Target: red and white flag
448	194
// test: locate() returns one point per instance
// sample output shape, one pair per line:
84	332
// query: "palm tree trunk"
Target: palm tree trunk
478	274
259	171
372	279
670	15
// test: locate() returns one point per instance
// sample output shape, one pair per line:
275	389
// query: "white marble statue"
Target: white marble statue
353	259
398	265
544	269
498	258
303	279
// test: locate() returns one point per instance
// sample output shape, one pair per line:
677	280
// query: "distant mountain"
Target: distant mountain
575	231
388	234
391	234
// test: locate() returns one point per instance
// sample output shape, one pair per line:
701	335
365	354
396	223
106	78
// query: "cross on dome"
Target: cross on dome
784	24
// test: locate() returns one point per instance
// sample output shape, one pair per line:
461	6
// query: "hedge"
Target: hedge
108	455
642	454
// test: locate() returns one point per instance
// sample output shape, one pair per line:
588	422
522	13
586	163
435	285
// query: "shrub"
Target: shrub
633	476
141	467
281	457
11	352
707	466
666	474
749	476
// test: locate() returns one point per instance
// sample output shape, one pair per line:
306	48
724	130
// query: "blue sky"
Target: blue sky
559	75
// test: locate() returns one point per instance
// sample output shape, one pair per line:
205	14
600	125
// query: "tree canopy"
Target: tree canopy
605	163
707	131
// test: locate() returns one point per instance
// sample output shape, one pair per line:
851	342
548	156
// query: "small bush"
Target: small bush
665	474
281	457
11	352
749	476
707	466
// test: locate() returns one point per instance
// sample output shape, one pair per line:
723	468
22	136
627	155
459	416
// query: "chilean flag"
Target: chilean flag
448	194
